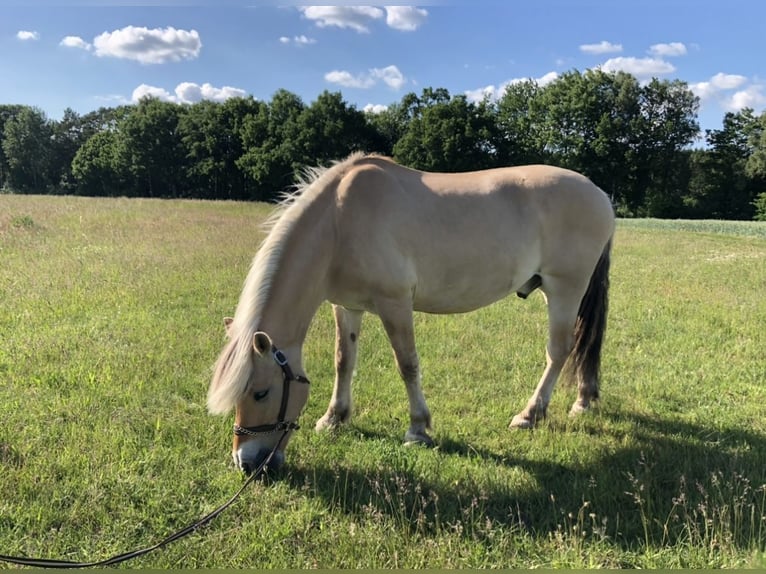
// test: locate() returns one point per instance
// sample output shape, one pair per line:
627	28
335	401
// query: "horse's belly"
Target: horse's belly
463	293
455	305
455	290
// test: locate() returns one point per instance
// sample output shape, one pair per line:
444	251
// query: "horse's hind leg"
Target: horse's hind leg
396	316
347	327
563	302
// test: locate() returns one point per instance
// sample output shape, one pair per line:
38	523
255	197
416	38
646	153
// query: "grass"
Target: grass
111	319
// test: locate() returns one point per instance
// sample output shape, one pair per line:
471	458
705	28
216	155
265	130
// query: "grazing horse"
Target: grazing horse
370	235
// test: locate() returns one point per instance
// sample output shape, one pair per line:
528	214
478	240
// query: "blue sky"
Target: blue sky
87	54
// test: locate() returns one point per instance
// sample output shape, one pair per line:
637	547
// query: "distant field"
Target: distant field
743	228
110	320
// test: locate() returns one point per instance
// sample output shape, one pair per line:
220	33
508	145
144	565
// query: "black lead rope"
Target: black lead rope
50	563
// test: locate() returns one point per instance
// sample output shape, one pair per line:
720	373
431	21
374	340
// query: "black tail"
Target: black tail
585	359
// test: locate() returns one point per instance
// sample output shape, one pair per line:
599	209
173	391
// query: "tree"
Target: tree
721	186
756	163
330	129
27	148
270	139
97	167
519	121
210	134
666	127
586	122
387	127
447	133
68	137
150	145
7	112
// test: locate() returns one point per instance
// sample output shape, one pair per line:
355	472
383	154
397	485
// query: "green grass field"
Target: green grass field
111	318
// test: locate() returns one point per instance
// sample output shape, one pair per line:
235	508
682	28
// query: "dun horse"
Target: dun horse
369	235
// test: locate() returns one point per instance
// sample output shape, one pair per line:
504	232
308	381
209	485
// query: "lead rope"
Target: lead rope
51	563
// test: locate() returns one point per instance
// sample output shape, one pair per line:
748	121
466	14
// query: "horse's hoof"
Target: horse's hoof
327	423
522	422
578	408
420	439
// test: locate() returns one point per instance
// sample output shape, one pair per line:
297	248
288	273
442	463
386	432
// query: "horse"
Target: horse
370	235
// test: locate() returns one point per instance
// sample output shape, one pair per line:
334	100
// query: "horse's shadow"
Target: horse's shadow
676	475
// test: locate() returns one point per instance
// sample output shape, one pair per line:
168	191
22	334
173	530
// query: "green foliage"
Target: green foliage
519	119
209	133
152	150
760	207
111	319
330	129
633	140
756	163
26	144
446	134
97	168
720	186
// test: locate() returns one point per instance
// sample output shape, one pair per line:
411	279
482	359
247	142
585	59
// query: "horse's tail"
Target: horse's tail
585	359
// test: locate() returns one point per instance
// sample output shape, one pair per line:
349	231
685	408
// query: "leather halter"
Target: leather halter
281	424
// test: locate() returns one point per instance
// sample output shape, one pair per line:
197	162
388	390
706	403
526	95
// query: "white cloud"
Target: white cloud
496	92
353	17
75	42
545	79
406	18
348	80
703	90
492	92
642	68
145	90
390	75
359	18
149	46
727	81
668	50
751	97
375	108
297	40
716	87
188	93
602	47
718	91
26	35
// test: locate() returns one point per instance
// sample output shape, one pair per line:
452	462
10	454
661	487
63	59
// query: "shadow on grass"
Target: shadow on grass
678	482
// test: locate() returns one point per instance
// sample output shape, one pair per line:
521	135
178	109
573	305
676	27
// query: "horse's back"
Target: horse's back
544	190
460	241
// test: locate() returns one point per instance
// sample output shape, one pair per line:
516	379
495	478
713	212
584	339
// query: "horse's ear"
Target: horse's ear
261	343
227	321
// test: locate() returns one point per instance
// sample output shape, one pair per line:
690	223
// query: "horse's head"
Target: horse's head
255	378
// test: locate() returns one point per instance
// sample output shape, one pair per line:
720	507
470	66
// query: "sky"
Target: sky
87	54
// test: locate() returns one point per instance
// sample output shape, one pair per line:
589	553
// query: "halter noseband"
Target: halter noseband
281	425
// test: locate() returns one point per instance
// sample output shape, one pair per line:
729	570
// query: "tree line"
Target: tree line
636	141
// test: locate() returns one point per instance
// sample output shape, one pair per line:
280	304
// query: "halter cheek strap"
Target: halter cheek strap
281	424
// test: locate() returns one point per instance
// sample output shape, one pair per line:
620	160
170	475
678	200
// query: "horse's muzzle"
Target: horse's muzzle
248	462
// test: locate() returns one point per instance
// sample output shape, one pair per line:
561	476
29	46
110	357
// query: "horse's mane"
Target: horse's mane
232	371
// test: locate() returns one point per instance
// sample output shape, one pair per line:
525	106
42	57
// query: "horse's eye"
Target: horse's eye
260	395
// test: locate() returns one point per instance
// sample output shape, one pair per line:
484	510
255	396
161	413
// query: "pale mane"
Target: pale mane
232	369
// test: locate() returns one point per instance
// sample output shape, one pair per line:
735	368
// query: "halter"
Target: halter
281	425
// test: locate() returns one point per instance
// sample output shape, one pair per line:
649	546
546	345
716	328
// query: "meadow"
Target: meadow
111	318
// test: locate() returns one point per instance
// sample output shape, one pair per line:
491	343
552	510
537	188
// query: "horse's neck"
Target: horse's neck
298	285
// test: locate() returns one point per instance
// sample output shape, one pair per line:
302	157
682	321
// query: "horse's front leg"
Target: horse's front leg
396	316
347	326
